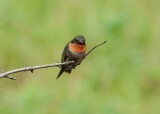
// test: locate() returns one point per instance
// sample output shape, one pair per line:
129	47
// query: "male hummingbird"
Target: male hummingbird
75	51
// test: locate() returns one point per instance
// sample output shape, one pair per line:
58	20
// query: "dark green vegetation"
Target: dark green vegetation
120	77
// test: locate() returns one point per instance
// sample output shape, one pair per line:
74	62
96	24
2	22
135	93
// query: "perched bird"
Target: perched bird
75	51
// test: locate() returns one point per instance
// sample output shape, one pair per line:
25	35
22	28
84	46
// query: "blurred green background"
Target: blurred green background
120	77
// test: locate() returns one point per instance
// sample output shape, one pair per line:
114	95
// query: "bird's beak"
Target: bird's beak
82	42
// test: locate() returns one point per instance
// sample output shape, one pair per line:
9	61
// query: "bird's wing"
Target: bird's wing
64	54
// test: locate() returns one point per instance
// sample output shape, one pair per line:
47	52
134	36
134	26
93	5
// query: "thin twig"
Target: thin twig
95	47
5	74
9	77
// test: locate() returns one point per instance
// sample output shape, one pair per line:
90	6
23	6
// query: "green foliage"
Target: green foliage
120	77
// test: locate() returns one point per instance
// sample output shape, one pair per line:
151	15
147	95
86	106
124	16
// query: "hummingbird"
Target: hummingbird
75	50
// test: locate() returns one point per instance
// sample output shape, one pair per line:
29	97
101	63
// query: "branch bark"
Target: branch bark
32	68
5	74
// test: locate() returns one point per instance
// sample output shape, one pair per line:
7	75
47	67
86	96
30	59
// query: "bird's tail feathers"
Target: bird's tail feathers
63	69
60	73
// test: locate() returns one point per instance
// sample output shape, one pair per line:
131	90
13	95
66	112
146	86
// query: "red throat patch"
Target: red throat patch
76	47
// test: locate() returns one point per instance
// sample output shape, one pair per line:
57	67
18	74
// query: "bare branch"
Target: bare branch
95	48
5	74
32	68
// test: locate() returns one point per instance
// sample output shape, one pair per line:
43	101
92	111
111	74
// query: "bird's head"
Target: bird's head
79	40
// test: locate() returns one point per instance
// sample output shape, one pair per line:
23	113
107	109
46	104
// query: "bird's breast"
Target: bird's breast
76	56
74	47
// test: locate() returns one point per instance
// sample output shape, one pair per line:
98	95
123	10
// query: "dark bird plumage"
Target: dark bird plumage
73	51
